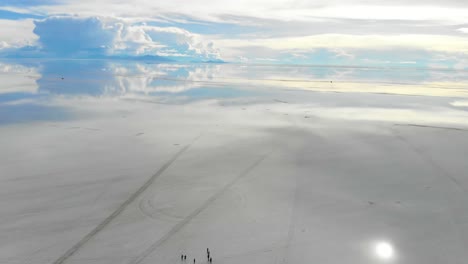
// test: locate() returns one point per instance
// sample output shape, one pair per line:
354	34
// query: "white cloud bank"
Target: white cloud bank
376	42
452	11
161	41
73	36
16	33
250	30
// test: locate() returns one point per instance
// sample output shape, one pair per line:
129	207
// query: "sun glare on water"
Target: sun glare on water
384	250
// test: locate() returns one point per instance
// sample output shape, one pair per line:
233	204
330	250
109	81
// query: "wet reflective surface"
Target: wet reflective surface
32	86
124	162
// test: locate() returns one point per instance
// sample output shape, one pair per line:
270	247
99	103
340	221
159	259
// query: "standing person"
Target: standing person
193	261
185	257
211	260
182	257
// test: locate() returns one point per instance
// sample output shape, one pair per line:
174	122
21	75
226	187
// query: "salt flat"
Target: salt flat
128	164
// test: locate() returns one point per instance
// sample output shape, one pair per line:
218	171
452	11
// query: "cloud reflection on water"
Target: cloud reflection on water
334	92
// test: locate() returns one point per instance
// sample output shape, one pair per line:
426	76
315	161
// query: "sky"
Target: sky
379	33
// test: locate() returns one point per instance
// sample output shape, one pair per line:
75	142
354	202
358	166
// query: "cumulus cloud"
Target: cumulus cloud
72	36
426	24
274	31
16	33
97	36
162	41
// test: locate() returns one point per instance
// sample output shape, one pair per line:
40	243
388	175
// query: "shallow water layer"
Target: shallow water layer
133	162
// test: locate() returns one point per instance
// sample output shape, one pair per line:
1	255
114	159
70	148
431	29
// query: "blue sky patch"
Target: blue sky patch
5	14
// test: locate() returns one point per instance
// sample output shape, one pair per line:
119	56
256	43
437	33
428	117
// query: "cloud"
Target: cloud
247	30
16	33
109	37
28	2
162	41
74	36
426	42
71	36
285	10
5	14
342	48
364	56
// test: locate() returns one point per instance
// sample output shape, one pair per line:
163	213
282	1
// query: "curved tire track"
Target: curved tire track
121	208
187	219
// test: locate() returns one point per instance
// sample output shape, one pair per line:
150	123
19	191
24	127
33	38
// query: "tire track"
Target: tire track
292	223
434	127
200	209
454	218
122	207
431	162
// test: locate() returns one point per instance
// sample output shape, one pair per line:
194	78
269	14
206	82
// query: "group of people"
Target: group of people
208	256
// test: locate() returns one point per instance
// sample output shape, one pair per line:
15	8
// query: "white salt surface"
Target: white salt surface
306	180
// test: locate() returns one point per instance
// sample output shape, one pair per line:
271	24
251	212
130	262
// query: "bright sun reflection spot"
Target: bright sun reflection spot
384	250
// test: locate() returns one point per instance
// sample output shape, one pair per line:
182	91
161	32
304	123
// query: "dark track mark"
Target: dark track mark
436	127
146	101
292	223
280	101
139	134
187	219
428	159
121	208
92	129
